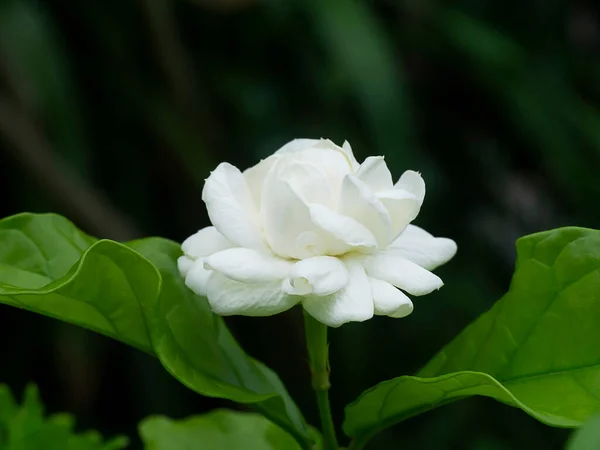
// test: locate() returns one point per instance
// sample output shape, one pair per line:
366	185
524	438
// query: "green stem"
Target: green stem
318	355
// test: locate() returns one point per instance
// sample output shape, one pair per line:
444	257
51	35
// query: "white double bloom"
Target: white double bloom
311	225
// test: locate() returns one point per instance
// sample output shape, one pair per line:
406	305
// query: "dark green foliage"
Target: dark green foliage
25	427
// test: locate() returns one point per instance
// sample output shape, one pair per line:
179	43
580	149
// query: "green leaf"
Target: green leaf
25	427
587	437
217	430
135	294
49	267
181	323
535	349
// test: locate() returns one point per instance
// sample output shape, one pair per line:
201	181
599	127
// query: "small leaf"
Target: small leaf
587	437
533	350
25	427
217	430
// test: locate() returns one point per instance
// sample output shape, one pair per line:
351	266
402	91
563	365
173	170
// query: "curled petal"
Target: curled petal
248	266
289	229
375	174
228	297
350	155
354	303
403	274
388	300
321	275
197	277
403	311
205	242
308	182
412	182
403	207
255	178
231	208
298	145
184	264
348	234
358	202
420	247
331	163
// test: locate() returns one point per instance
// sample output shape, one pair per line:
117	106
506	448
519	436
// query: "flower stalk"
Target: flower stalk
318	355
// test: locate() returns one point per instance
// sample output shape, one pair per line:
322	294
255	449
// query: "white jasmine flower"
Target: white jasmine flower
311	225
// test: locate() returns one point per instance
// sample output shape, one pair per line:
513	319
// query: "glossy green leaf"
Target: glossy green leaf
587	437
135	294
196	347
217	430
48	266
25	427
535	349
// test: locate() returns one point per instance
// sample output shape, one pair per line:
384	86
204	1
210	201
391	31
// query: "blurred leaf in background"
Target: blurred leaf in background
24	427
218	430
587	437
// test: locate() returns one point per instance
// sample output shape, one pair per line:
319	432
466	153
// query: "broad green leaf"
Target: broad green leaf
535	349
135	294
587	437
49	267
195	346
25	427
217	430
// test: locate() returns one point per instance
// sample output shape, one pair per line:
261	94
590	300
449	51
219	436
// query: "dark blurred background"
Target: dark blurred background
113	112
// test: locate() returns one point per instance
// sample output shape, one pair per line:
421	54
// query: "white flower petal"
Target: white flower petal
415	232
197	277
327	159
320	275
403	274
231	208
348	233
358	202
205	242
298	145
228	297
184	264
375	174
420	247
388	300
348	150
307	180
255	178
412	182
403	207
354	303
403	311
288	227
248	266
